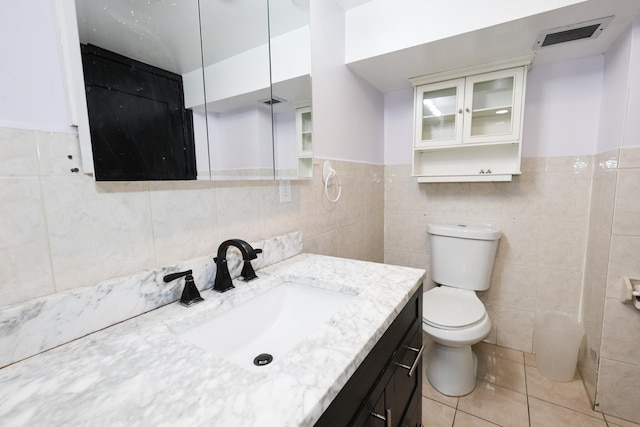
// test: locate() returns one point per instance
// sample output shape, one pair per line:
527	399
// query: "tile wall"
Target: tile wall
60	230
611	361
543	214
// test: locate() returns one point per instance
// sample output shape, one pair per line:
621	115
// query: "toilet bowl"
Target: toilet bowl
453	316
455	319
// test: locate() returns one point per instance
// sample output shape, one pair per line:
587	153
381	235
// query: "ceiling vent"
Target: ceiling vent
272	101
569	33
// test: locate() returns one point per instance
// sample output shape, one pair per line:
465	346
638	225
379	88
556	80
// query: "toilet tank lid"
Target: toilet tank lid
465	231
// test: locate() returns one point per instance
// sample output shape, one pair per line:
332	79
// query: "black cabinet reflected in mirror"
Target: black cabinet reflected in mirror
139	127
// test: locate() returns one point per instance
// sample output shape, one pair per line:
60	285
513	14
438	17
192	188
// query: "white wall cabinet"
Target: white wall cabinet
469	127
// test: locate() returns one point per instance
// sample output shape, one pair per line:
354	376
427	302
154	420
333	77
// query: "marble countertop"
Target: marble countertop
139	372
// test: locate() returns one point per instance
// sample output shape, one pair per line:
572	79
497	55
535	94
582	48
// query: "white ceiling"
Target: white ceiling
390	72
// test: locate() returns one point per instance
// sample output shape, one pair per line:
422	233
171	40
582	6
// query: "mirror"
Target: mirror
257	87
291	84
165	36
237	82
227	53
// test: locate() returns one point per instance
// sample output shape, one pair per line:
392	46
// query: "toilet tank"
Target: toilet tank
462	256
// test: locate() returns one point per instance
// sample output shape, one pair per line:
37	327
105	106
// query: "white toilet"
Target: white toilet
461	263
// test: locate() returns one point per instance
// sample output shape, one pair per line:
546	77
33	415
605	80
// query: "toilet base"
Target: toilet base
452	370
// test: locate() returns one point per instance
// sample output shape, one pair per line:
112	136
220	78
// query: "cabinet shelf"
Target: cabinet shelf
435	118
304	137
465	163
459	146
492	111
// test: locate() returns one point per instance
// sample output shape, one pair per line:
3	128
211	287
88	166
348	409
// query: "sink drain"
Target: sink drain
263	359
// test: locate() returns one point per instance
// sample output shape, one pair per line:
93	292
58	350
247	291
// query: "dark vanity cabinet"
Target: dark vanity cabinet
385	391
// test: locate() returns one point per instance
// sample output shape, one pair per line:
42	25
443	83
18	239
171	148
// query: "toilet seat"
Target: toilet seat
452	308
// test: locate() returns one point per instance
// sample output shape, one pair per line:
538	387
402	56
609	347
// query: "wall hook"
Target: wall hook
328	174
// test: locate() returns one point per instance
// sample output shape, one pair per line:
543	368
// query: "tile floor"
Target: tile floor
511	393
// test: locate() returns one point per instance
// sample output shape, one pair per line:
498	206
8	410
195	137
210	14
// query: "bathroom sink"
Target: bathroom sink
263	329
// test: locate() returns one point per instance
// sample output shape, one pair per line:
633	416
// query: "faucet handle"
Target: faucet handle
248	273
190	293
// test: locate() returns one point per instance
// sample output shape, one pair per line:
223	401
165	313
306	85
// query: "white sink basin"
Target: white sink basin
271	323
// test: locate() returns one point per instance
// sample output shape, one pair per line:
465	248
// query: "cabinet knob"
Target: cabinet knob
460	111
467	109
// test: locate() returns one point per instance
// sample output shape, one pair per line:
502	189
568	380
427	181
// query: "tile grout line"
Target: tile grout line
526	388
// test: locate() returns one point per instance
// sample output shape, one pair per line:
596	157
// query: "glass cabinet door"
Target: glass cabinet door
493	106
439	113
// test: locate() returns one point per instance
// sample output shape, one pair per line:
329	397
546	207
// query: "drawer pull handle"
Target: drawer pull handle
387	419
413	367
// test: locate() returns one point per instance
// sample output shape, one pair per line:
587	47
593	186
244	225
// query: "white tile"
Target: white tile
627	203
520	242
184	220
436	414
619	342
618	388
563	243
544	414
571	395
239	210
559	291
515	329
630	157
518	286
58	153
18	153
566	195
496	404
97	230
624	261
26	271
524	196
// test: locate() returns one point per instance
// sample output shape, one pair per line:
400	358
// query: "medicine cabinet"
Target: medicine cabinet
468	127
244	65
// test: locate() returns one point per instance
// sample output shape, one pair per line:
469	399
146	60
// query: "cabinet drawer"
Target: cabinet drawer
407	388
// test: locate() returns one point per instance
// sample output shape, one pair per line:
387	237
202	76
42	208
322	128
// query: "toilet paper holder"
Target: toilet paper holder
631	291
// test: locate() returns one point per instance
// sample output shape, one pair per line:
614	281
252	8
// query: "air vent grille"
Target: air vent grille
569	33
272	101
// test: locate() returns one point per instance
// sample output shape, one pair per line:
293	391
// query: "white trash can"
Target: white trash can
556	343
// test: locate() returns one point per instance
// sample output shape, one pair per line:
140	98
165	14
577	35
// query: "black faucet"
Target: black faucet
223	279
190	294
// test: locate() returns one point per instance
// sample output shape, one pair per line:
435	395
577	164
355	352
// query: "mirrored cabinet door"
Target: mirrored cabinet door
137	59
241	70
290	41
237	88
